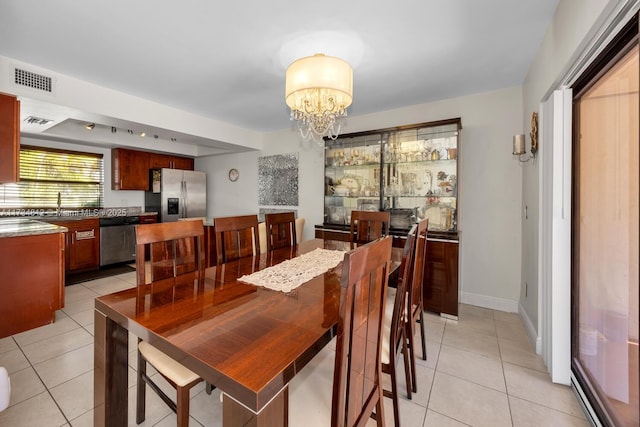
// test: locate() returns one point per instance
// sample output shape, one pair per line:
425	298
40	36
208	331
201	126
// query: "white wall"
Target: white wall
573	25
489	185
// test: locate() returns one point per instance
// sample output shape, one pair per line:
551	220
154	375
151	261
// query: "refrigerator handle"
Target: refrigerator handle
185	198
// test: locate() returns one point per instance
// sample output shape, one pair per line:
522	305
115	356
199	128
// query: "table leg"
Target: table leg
110	380
276	413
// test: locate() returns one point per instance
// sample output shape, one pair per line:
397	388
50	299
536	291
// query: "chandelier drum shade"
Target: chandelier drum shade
318	91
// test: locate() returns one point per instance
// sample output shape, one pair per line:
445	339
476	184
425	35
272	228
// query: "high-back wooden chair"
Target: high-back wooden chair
355	394
236	237
176	263
414	298
281	230
395	337
367	226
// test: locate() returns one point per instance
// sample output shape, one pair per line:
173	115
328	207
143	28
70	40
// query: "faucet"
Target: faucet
59	203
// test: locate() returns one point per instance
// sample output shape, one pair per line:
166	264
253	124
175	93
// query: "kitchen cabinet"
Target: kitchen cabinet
9	138
32	284
129	169
82	244
159	161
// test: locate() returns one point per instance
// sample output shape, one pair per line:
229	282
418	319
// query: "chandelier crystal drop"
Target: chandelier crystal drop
318	91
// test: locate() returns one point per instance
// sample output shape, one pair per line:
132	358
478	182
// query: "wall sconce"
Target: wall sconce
520	150
519	146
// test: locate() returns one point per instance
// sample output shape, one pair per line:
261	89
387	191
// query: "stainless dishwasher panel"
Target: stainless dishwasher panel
117	244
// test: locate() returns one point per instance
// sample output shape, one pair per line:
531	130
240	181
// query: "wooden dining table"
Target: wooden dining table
246	340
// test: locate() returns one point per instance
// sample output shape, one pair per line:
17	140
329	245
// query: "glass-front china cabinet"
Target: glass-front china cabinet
412	172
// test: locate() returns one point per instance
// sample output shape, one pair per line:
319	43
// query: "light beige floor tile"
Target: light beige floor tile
536	386
75	397
475	324
79	305
529	414
57	345
108	285
128	277
62	324
411	414
472	366
468	402
430	316
434	330
25	384
77	292
520	354
170	421
503	316
66	366
467	311
434	419
84	420
433	350
84	318
207	409
7	344
156	409
13	360
470	340
513	331
39	410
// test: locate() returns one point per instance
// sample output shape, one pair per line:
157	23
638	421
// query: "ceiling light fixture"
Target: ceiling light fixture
143	134
318	90
90	126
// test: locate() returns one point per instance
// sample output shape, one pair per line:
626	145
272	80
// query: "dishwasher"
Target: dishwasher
117	239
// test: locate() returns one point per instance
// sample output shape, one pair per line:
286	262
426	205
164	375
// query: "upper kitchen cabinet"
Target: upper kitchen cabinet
159	161
410	171
129	169
9	138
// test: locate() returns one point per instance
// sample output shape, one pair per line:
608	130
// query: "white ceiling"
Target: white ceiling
227	60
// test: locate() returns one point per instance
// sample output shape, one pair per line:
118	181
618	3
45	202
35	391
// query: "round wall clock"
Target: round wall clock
233	175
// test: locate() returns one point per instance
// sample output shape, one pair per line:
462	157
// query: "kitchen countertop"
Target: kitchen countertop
15	227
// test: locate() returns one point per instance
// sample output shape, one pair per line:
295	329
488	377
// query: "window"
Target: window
49	177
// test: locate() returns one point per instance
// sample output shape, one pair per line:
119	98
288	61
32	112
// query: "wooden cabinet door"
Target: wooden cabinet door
159	161
440	287
84	245
185	163
129	169
9	138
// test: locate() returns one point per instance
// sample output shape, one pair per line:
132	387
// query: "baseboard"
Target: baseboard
493	303
532	334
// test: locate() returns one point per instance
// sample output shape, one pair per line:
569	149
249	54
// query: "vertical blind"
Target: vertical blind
48	175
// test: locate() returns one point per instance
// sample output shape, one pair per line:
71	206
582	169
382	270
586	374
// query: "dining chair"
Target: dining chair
414	298
367	226
355	394
236	237
176	264
395	331
280	230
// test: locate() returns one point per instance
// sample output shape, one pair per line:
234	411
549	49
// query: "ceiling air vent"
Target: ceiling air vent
33	80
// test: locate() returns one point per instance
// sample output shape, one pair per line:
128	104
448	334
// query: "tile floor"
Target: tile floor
480	371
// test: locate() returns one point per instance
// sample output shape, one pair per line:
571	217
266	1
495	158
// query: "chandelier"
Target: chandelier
318	90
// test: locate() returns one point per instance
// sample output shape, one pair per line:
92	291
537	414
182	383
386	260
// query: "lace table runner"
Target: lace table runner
291	273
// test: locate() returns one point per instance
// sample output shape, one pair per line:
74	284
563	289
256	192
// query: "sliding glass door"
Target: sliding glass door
605	234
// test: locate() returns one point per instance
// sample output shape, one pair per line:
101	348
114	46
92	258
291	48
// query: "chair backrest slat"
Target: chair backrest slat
236	237
281	230
368	226
176	252
357	388
419	258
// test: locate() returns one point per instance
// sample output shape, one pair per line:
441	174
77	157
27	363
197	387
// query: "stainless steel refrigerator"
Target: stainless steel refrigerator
176	193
